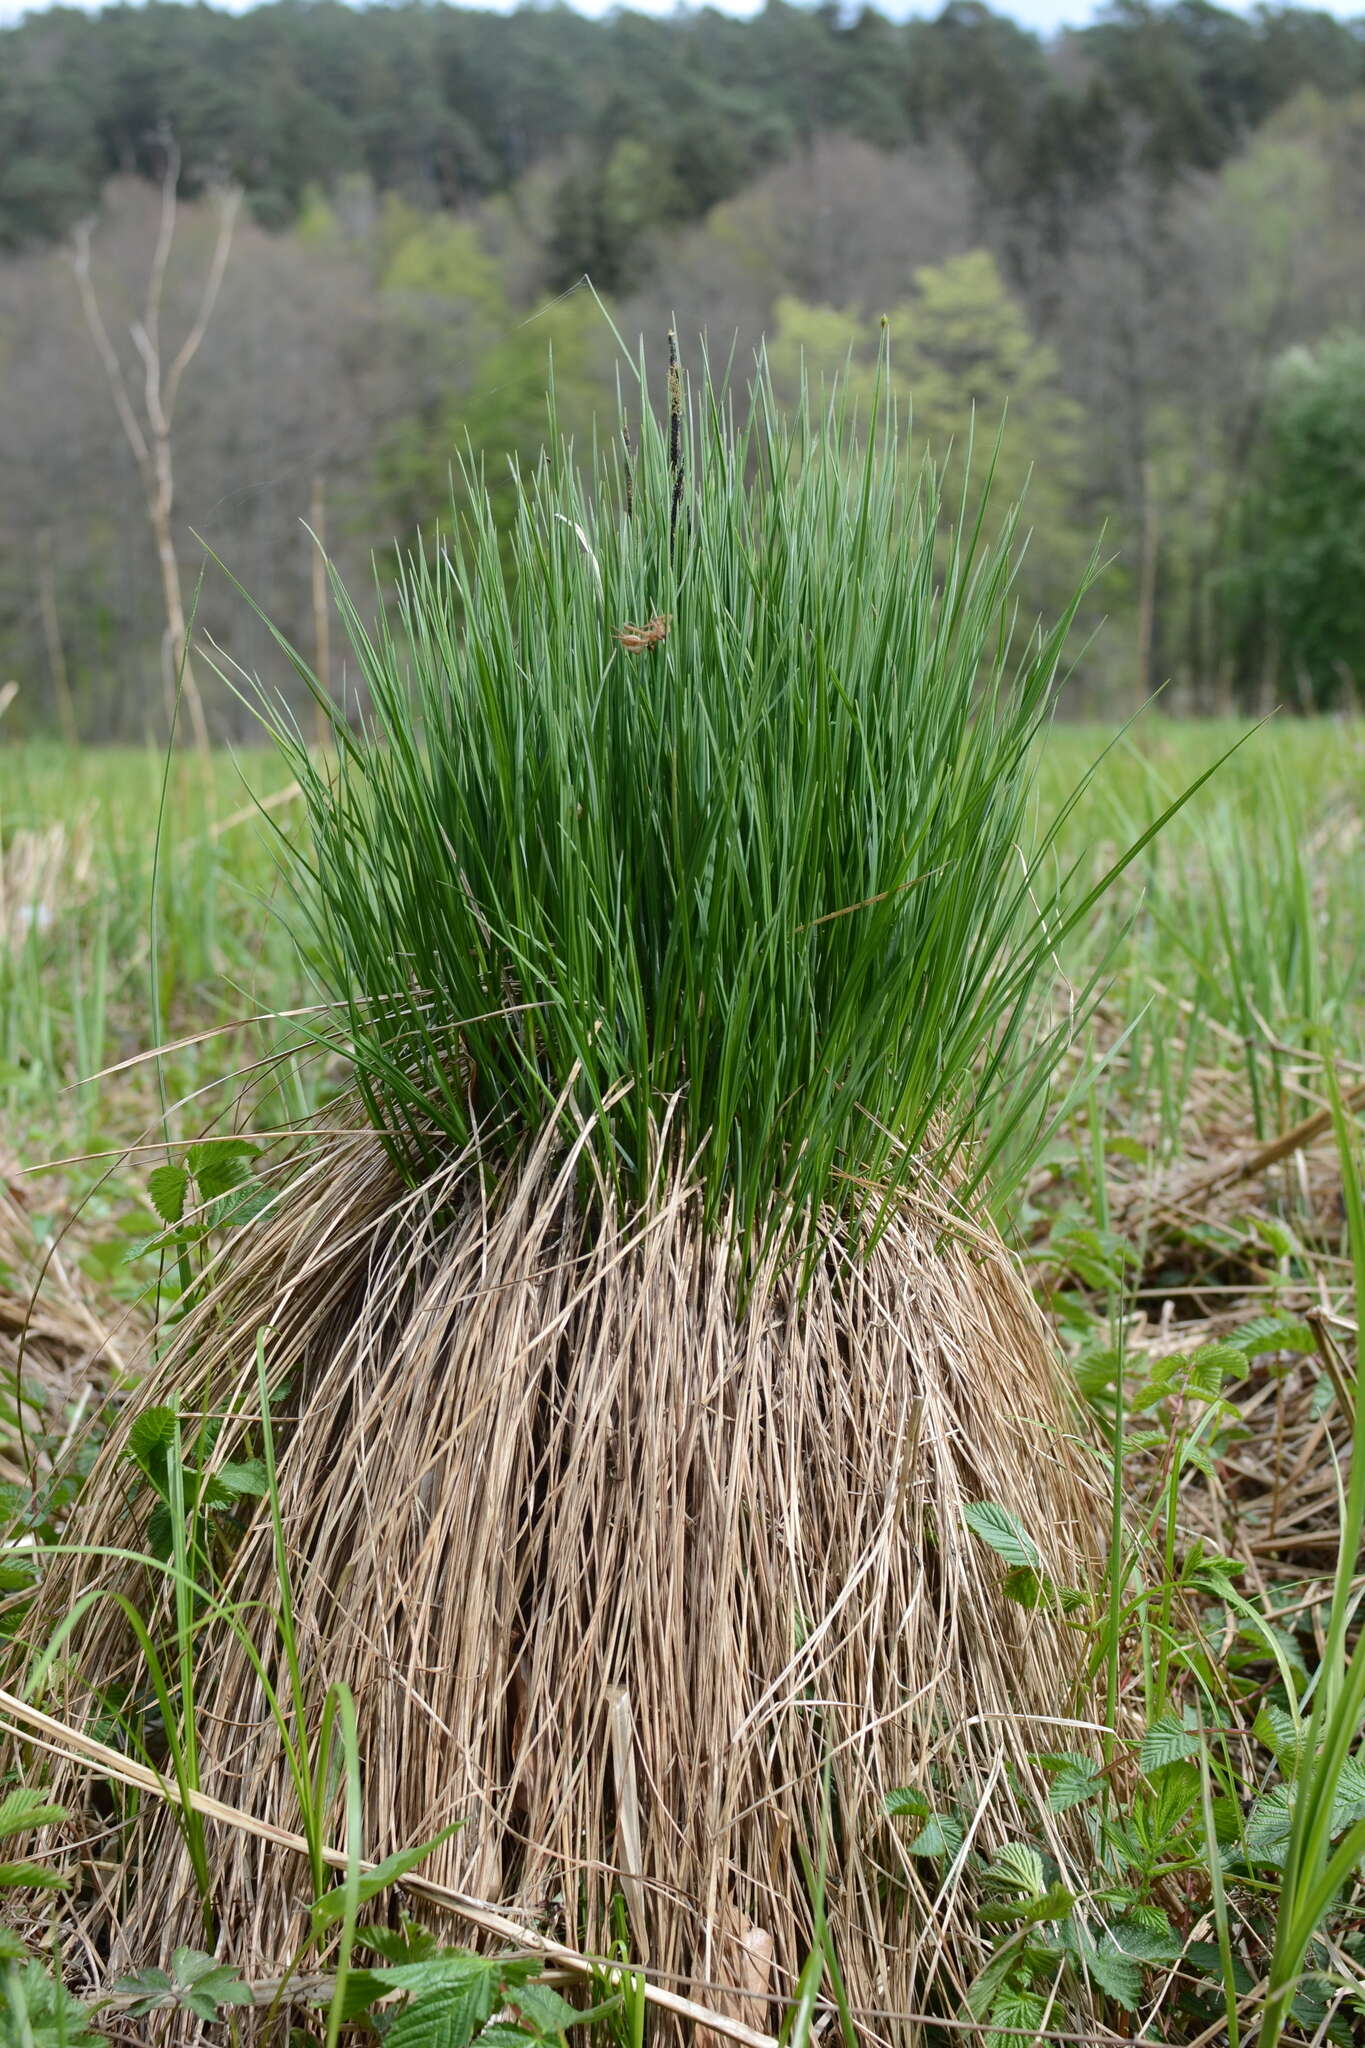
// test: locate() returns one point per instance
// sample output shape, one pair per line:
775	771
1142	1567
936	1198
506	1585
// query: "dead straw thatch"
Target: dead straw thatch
619	1558
57	1347
42	873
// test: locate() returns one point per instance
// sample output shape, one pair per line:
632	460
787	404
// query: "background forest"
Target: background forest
1144	241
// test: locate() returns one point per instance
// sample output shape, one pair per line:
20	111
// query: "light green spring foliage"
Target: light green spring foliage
768	882
961	348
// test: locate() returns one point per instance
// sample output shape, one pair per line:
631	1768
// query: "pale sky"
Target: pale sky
1036	14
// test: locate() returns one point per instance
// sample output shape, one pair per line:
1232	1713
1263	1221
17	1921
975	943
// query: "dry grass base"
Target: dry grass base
617	1560
58	1347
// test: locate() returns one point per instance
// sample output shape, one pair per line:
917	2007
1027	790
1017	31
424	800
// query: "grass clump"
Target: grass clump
771	876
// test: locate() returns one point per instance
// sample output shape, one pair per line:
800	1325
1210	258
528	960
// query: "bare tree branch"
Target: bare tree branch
228	200
152	446
94	320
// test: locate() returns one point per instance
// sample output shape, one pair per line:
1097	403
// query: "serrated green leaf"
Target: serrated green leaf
1004	1533
1026	1587
1348	1804
1075	1782
1018	1866
446	2018
1118	1976
1265	1837
941	1835
209	1154
333	1904
37	2006
26	1808
1145	1941
243	1205
1167	1741
409	1943
149	1442
1016	2015
168	1186
1281	1735
542	2005
35	1876
241	1480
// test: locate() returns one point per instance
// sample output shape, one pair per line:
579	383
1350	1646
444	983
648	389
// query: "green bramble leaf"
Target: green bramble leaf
1019	1868
542	2005
1167	1741
26	1808
1004	1533
1075	1780
149	1443
168	1186
1118	1976
333	1904
35	1876
451	2015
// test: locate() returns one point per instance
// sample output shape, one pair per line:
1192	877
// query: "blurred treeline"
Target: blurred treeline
1145	240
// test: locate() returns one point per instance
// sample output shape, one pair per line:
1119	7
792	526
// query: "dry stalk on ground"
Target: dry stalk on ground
618	1558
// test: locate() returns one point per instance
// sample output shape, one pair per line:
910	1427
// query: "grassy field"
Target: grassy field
1187	1221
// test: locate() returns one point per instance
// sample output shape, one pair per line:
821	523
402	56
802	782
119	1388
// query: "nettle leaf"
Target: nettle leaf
1004	1533
1273	1333
168	1187
1016	2015
1056	1902
502	2034
1096	1371
232	1481
1147	1936
1168	1739
26	1808
1206	1957
243	1205
220	1163
1136	1441
1196	1455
